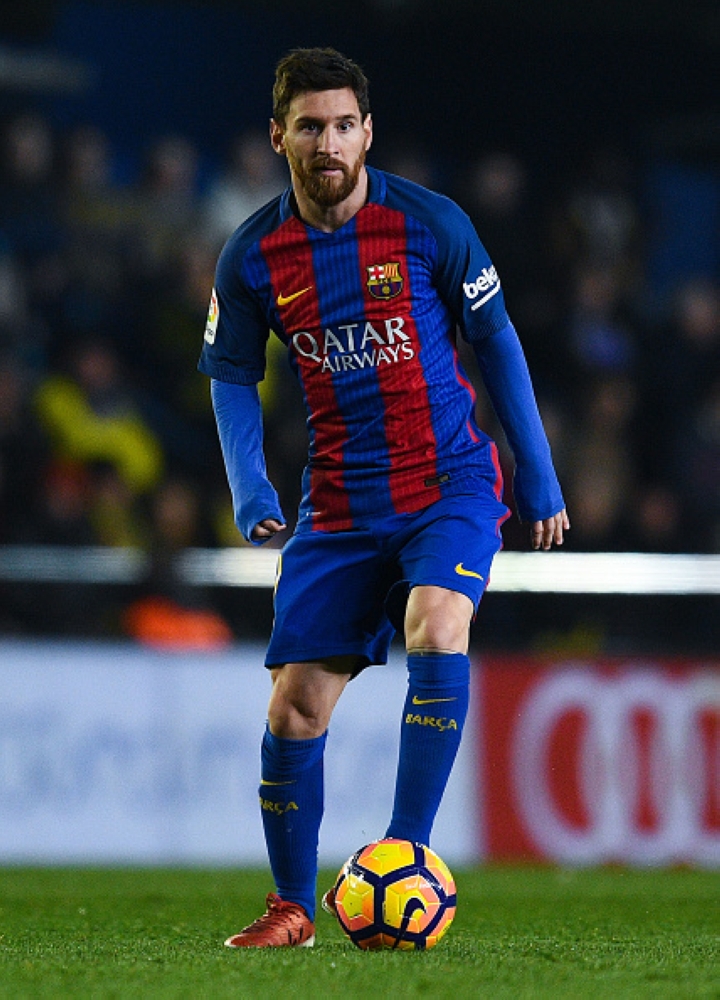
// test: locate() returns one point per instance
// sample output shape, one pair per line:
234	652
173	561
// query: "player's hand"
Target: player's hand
544	533
266	529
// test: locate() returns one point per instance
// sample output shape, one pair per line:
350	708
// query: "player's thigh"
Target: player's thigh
447	556
329	600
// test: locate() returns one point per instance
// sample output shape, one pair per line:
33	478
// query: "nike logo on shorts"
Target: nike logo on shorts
461	571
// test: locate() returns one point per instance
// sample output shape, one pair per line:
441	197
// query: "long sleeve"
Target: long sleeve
507	379
239	421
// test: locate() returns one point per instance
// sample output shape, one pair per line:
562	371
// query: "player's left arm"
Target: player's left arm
537	490
468	282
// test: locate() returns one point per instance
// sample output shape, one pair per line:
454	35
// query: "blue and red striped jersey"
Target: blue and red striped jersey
369	315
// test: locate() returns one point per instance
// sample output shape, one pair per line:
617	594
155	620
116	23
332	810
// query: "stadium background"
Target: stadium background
585	143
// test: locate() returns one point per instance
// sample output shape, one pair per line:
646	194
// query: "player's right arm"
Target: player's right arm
233	356
238	415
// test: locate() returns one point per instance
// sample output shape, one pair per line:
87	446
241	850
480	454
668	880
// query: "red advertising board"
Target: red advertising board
601	761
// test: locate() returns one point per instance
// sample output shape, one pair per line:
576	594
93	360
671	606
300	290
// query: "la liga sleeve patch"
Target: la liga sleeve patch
212	319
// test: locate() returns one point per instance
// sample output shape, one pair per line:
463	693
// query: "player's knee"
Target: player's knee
437	637
295	717
438	619
295	720
297	710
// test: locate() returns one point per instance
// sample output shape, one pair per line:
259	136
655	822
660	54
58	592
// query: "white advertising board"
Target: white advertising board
120	754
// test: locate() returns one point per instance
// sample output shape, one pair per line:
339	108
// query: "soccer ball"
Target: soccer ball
395	894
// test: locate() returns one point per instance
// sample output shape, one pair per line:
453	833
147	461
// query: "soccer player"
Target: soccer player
365	278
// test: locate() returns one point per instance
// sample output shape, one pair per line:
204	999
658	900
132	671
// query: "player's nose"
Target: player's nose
326	142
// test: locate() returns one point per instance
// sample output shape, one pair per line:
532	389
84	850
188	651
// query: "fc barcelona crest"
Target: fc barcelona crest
384	281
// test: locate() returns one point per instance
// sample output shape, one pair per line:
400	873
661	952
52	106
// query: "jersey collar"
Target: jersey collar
377	189
377	185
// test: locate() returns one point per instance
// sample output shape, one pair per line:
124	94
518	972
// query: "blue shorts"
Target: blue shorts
344	593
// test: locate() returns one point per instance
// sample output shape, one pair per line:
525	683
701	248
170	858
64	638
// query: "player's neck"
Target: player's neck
327	220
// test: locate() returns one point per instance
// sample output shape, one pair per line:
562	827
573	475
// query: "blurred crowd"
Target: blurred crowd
106	431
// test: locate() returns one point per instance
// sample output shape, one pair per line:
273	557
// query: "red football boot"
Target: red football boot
285	925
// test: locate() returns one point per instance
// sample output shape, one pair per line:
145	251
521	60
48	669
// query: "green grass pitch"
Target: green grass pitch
520	932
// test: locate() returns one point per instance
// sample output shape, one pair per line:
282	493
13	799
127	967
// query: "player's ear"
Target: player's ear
368	129
277	137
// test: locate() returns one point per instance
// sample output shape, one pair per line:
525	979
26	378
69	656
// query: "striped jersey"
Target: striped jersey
369	316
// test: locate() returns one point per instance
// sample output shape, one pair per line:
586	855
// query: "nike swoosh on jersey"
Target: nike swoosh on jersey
429	701
461	571
283	300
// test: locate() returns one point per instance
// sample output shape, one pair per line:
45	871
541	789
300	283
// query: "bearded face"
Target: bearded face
325	138
326	190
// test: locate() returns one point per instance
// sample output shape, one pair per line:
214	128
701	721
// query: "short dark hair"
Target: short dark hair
303	70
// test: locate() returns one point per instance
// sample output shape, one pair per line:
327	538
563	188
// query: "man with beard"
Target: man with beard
365	278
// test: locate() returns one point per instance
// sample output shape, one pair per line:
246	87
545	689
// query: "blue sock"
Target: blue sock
291	801
433	718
